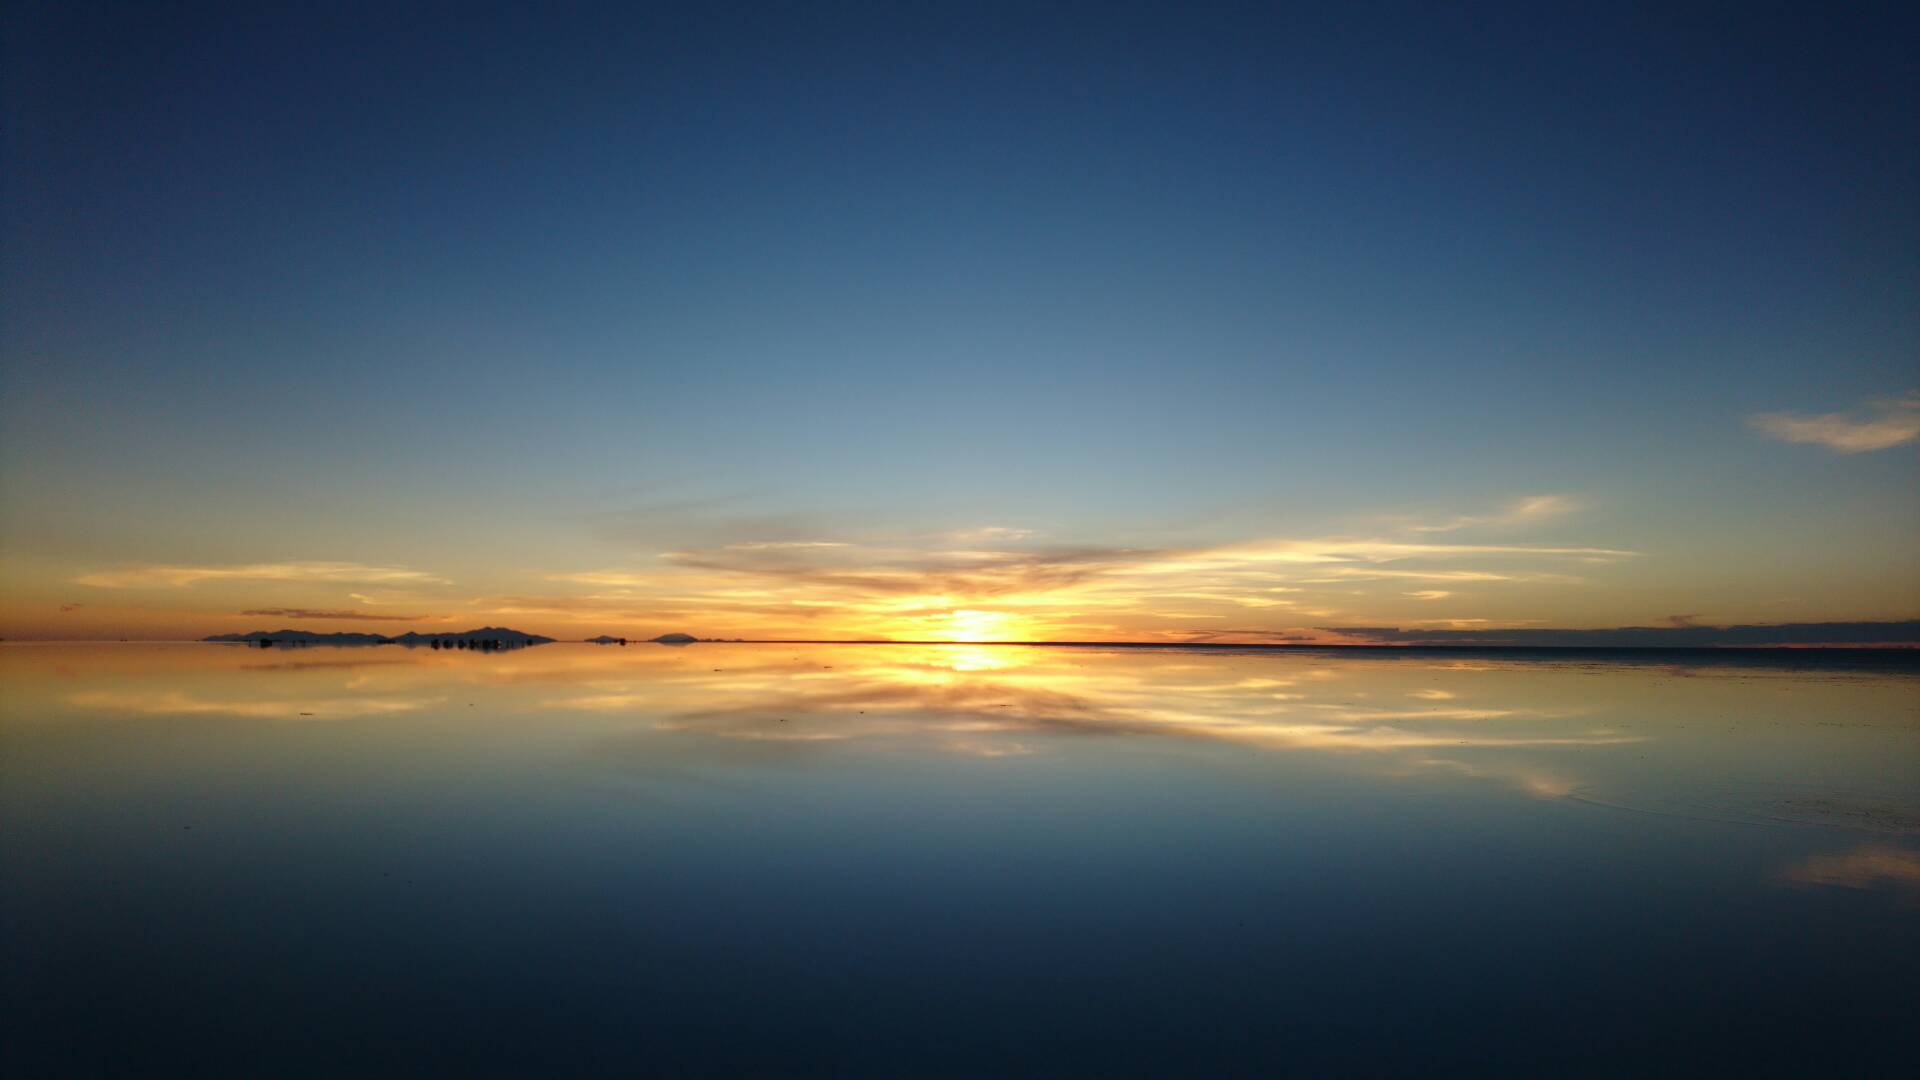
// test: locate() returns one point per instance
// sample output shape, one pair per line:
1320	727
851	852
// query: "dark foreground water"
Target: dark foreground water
920	861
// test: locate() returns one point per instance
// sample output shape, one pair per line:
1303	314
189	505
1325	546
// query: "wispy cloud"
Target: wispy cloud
173	577
990	534
1526	511
1886	423
310	613
1007	586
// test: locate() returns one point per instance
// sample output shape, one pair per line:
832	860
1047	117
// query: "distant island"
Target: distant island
487	637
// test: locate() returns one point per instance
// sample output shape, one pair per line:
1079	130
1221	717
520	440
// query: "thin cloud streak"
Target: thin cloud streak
175	577
1891	422
1527	511
312	613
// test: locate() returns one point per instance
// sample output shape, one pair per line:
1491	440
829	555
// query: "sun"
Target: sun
967	624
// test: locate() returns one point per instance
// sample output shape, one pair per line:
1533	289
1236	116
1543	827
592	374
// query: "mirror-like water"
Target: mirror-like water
962	860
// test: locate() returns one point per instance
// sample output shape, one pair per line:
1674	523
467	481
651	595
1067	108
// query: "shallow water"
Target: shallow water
962	860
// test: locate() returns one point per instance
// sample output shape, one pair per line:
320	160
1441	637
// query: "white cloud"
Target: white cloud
1889	422
1524	511
991	533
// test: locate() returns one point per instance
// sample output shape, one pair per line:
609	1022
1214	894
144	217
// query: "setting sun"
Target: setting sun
968	624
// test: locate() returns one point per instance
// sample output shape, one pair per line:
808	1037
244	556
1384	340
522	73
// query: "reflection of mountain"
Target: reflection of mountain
303	637
486	636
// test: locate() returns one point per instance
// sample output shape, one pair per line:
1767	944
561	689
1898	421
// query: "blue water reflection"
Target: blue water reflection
953	861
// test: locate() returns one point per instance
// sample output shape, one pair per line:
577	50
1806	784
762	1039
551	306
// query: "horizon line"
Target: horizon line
1890	647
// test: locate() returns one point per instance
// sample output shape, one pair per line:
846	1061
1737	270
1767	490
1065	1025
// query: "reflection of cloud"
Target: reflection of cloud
323	665
987	749
1862	868
1891	422
177	703
971	709
1529	779
149	577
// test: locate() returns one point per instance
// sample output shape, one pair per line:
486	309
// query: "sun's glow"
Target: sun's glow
967	624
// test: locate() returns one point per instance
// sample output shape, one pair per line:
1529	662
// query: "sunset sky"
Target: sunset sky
1097	322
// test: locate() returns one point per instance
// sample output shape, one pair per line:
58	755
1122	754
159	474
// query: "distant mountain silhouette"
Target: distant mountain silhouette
487	637
676	639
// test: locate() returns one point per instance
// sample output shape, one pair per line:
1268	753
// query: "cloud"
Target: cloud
914	586
309	613
1430	594
1526	511
989	533
1245	636
173	577
1889	422
1904	632
1348	574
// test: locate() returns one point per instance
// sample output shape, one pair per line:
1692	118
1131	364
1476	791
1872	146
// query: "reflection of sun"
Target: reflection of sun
960	658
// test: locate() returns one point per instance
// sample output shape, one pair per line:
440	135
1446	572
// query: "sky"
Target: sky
1147	322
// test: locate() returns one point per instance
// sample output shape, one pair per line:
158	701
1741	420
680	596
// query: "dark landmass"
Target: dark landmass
1900	658
676	639
1683	634
487	637
606	639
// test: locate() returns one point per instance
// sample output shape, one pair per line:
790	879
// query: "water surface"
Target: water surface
907	860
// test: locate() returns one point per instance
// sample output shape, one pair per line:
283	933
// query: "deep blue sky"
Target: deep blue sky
1121	274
